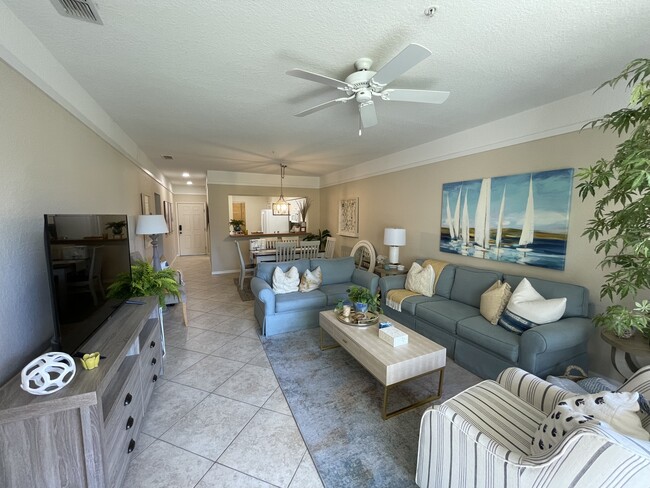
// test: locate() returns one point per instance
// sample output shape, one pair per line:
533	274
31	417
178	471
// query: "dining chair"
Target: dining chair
271	242
93	282
309	249
330	243
285	251
243	267
295	239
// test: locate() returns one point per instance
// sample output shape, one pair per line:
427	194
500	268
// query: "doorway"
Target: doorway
191	229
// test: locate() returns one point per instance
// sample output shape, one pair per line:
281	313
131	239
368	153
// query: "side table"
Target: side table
381	271
628	355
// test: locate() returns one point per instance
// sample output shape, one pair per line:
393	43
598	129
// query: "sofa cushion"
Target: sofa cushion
420	280
470	283
577	304
445	280
289	302
494	301
485	335
529	304
285	282
445	313
311	280
410	304
335	270
265	270
336	292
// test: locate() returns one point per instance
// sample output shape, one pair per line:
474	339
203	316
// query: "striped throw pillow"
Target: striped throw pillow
514	323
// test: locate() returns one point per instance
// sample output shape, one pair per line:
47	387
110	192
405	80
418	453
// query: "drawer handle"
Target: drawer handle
128	399
131	446
129	423
152	345
153	361
155	378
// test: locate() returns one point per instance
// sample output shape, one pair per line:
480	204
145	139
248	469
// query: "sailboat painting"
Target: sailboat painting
521	219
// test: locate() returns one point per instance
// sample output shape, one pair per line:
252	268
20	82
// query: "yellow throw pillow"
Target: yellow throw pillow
420	280
494	301
311	280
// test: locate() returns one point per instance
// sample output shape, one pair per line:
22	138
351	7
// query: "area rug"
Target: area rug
246	294
337	405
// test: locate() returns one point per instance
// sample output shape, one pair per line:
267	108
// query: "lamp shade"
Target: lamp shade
394	237
151	224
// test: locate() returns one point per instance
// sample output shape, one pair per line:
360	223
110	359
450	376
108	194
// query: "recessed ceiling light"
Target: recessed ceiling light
189	182
186	175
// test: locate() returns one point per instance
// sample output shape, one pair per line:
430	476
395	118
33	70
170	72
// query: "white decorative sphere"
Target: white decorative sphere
48	373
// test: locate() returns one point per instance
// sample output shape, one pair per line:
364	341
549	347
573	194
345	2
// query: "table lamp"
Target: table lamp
153	226
393	238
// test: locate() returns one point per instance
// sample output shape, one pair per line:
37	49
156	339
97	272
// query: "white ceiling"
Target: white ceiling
204	81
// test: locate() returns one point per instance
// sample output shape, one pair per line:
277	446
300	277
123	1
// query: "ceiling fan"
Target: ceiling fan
364	84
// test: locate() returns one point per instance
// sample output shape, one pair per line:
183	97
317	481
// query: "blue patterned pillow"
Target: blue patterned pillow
514	323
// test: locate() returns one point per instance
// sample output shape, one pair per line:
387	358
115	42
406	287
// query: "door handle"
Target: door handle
180	229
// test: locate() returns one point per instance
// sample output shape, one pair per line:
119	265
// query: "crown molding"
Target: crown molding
259	179
560	117
25	53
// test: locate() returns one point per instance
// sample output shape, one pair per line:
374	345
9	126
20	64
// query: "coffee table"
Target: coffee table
391	366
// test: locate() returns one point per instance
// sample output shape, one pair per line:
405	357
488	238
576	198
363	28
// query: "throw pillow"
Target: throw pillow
532	306
285	282
311	280
420	280
619	410
494	301
514	323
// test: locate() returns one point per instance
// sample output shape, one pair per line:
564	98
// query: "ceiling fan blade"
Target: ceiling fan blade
404	61
326	80
368	114
322	106
419	96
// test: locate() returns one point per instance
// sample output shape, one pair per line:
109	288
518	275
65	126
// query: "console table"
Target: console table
82	435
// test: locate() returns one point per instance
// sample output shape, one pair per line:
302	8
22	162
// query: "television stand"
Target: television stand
83	435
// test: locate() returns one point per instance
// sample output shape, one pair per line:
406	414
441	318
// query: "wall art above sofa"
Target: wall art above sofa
521	219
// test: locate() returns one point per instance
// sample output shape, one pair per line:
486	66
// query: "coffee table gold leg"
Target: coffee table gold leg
330	346
386	415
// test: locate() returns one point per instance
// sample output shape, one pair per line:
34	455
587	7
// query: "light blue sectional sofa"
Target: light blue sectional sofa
451	317
292	311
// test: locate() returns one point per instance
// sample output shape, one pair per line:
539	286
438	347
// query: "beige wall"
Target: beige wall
222	247
51	163
412	199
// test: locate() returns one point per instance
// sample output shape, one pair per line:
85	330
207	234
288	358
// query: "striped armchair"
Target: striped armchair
482	438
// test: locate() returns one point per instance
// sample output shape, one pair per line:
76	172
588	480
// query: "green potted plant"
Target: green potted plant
364	300
620	225
321	236
236	224
144	281
116	227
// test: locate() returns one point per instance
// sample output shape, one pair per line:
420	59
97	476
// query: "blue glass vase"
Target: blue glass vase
361	307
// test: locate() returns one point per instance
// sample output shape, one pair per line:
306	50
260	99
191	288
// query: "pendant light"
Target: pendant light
281	207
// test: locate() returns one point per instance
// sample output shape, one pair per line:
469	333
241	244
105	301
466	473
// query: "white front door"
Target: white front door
191	228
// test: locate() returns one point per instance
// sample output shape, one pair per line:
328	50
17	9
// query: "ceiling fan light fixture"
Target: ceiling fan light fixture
281	206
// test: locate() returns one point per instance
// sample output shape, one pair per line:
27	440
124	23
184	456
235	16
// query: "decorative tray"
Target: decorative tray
358	319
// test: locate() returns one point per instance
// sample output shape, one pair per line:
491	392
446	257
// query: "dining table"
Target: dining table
263	255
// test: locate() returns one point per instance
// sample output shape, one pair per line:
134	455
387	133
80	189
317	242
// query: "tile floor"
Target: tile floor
217	418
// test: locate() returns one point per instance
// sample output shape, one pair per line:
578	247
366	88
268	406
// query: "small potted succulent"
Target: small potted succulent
236	224
364	300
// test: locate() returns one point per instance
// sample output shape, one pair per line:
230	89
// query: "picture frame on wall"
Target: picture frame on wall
146	205
165	207
170	217
349	217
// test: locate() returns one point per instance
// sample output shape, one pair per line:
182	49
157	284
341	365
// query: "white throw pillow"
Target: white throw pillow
285	282
619	410
420	280
530	305
311	280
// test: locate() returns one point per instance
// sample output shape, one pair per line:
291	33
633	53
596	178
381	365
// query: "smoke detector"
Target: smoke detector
78	9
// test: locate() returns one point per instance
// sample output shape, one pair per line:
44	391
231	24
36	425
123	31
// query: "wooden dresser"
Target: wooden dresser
83	435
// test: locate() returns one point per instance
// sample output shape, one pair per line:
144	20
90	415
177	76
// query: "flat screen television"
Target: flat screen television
84	254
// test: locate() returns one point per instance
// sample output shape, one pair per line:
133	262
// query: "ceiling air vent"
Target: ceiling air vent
78	9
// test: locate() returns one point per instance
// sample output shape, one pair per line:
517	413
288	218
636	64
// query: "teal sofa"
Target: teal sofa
451	317
293	311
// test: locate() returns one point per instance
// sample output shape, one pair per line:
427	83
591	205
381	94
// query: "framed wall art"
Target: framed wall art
521	219
349	217
146	205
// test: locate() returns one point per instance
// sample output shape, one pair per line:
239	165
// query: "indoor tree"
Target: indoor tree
621	223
